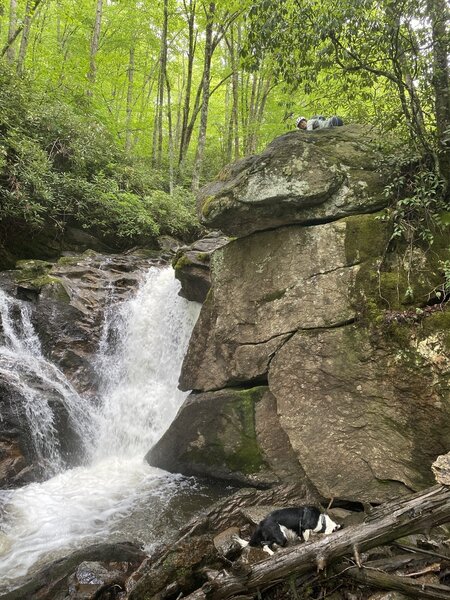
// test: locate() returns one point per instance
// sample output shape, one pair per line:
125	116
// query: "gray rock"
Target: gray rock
191	265
266	287
299	178
354	412
231	434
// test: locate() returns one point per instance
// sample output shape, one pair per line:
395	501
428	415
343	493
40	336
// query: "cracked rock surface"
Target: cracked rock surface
317	356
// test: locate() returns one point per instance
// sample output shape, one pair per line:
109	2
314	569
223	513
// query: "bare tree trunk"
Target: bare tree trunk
169	123
129	109
2	13
159	110
11	53
251	113
25	36
205	100
95	40
438	13
234	119
227	148
192	42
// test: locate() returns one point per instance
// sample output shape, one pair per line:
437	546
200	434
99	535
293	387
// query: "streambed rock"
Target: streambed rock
242	441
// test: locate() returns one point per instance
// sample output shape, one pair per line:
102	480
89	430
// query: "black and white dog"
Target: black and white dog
289	524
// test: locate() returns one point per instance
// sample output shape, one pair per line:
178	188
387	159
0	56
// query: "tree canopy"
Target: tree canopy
107	104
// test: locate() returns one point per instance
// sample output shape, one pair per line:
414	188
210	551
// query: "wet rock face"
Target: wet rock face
67	302
302	177
69	299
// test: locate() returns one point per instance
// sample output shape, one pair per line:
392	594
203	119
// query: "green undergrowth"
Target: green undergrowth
59	167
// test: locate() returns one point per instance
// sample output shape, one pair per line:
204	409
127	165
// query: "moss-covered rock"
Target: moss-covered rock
220	439
301	177
341	323
231	434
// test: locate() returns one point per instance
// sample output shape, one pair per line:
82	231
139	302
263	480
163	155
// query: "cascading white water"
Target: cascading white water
139	399
142	369
25	369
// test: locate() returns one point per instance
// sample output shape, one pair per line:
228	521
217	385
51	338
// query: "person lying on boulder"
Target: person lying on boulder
318	122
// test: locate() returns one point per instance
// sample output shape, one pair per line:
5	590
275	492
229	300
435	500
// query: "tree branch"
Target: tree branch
386	581
391	521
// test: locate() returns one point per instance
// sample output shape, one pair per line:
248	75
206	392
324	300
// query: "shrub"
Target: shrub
59	165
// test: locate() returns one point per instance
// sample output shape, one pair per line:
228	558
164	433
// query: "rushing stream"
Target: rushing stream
139	359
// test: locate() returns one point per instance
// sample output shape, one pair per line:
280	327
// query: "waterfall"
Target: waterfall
139	359
141	369
37	382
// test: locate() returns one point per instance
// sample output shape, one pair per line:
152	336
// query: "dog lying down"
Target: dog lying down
289	525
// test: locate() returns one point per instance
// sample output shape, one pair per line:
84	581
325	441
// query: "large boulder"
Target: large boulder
242	440
265	288
365	415
352	352
301	177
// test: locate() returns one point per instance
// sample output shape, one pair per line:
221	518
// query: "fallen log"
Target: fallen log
385	581
391	521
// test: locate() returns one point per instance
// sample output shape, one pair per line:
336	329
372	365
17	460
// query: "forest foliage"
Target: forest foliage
114	111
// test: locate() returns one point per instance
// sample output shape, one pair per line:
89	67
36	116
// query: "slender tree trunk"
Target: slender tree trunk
25	36
192	42
205	100
129	109
228	127
163	74
10	52
252	113
234	119
159	109
169	123
438	13
190	127
95	41
2	13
